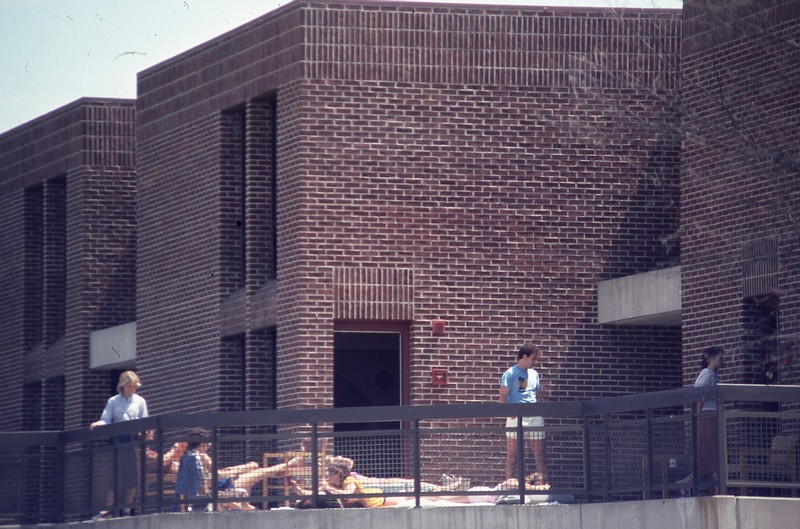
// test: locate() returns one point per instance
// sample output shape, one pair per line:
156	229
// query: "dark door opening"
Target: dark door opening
367	369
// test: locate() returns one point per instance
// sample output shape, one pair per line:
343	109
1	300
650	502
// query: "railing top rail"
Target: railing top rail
548	409
326	416
689	395
16	439
758	393
642	401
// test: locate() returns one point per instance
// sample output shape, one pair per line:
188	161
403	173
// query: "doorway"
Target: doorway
368	367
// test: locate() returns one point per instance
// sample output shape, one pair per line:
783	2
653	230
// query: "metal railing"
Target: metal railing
622	448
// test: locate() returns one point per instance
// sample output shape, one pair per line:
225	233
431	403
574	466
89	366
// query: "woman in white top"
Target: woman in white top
126	405
707	428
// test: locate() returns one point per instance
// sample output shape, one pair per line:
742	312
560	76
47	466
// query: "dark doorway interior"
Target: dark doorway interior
367	370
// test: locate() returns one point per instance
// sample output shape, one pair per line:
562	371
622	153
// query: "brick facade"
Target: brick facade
430	162
68	237
740	188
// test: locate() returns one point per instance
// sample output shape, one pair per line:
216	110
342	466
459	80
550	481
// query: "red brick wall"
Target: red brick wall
491	155
739	182
179	280
101	271
193	315
507	230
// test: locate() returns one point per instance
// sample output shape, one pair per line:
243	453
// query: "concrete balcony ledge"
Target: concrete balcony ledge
651	298
711	512
113	347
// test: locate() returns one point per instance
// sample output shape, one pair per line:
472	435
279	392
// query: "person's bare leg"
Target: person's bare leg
248	479
511	457
238	469
541	459
236	506
383	483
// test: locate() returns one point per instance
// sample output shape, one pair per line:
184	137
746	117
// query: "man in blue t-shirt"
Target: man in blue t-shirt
519	385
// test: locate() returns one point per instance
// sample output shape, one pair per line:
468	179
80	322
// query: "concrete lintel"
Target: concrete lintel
113	347
651	298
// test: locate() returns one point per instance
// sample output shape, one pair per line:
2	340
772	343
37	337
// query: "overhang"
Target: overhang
651	298
113	348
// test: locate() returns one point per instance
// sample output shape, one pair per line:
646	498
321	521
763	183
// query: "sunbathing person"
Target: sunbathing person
398	485
300	474
341	481
388	485
245	476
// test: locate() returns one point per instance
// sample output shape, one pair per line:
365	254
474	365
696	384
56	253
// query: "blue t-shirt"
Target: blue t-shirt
190	478
522	384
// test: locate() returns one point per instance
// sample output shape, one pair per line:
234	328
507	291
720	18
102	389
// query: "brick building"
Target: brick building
740	188
318	187
68	232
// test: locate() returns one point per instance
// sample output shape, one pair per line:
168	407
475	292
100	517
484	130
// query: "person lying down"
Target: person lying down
341	481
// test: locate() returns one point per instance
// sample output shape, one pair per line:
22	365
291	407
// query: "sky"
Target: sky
53	52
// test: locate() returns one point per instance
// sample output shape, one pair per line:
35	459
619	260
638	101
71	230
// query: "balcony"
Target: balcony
621	449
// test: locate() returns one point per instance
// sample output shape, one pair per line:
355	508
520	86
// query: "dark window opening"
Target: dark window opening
762	338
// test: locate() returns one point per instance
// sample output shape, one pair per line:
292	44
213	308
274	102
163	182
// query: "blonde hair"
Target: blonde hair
128	377
340	467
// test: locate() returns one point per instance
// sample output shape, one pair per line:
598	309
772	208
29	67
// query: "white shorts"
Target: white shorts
527	422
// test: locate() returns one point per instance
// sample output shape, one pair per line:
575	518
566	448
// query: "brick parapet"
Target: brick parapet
477	45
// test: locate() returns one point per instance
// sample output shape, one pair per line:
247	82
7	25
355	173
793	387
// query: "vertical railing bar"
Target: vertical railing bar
142	473
587	458
648	472
693	445
314	464
214	467
160	473
61	472
722	452
417	467
90	478
115	505
607	431
521	460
